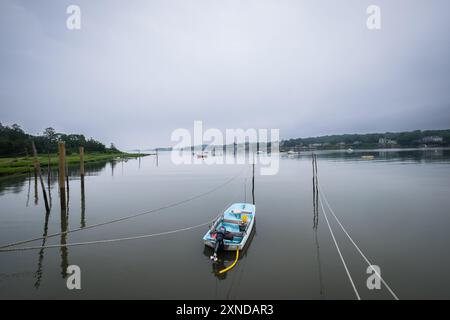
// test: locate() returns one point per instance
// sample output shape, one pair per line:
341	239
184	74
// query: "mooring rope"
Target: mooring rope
339	251
356	246
209	222
126	217
73	244
232	265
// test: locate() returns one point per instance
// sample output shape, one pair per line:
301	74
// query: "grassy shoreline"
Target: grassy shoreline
19	165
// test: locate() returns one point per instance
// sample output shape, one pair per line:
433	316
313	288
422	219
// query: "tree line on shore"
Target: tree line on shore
417	138
14	141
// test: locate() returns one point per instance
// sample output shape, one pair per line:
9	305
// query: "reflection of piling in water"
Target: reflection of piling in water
39	272
64	249
29	188
61	174
113	165
37	170
83	204
319	264
36	197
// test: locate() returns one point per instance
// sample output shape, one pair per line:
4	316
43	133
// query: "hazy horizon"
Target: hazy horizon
137	71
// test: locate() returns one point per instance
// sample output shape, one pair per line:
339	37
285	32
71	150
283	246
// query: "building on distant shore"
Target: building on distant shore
386	141
432	139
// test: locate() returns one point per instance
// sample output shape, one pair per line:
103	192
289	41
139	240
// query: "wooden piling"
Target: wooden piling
81	161
62	173
48	169
37	167
67	185
315	192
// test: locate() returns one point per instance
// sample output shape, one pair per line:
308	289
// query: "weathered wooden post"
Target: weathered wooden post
67	180
37	168
48	167
81	161
62	173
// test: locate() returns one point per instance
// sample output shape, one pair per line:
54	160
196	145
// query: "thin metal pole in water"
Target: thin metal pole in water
253	179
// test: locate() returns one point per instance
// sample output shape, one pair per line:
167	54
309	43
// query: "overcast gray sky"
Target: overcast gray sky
137	70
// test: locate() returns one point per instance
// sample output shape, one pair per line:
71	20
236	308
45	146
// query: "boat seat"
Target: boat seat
232	221
237	234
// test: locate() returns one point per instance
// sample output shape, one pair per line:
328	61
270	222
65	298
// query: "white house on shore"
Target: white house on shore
386	141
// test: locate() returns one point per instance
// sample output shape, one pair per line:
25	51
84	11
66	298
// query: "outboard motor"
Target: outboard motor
220	235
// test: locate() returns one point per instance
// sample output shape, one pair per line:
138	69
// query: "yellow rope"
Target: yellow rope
232	265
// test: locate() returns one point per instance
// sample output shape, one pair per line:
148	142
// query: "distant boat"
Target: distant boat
202	155
235	226
368	157
291	152
350	150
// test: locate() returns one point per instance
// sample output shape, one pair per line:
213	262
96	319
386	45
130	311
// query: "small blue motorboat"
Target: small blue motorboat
231	230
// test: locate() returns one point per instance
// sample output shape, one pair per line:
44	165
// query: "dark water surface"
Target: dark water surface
395	207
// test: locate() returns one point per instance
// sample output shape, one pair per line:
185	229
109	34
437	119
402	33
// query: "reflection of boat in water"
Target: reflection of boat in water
227	257
368	157
232	229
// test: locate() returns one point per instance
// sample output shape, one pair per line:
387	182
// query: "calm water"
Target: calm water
396	207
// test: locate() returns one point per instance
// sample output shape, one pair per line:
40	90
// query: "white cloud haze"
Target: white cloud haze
137	70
